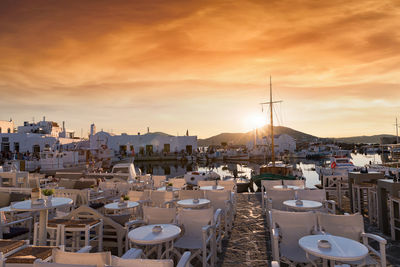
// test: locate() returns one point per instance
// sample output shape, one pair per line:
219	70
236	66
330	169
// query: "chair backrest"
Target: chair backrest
228	185
119	262
186	194
206	183
122	187
293	226
177	182
99	259
107	185
158	180
269	184
156	215
312	194
350	226
68	193
138	195
194	219
158	198
218	198
279	196
300	183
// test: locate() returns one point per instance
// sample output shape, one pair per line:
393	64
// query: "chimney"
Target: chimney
44	118
63	126
148	129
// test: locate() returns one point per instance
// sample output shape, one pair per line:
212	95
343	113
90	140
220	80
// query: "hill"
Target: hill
244	138
373	139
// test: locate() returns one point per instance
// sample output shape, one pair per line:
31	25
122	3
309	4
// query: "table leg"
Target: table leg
43	217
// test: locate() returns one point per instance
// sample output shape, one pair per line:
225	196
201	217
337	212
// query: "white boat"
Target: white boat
337	166
195	176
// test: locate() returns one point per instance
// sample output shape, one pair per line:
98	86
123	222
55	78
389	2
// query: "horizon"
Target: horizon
202	66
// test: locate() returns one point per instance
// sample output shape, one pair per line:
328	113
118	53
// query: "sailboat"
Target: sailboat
275	170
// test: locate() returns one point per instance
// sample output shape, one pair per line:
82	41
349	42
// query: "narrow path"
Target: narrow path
248	245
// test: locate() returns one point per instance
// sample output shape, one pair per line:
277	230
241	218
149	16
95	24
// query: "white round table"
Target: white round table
212	187
56	202
188	203
294	187
306	205
115	205
144	235
342	249
165	189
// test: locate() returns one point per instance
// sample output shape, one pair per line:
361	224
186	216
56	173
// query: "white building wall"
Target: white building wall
6	126
27	141
177	143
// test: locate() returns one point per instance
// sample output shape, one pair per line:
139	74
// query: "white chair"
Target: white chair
162	199
222	200
288	228
92	230
199	235
99	259
177	182
207	183
142	197
275	201
231	186
352	226
317	195
158	180
122	188
267	185
156	215
188	194
299	183
19	229
114	234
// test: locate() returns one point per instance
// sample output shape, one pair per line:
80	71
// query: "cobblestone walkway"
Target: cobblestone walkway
248	244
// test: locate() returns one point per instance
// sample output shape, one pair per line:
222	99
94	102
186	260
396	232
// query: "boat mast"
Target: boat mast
272	123
270	103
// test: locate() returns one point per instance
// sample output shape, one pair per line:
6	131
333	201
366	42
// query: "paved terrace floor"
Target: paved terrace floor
249	243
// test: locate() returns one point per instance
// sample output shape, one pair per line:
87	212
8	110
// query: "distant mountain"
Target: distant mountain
244	138
373	139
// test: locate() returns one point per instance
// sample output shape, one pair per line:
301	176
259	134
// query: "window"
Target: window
16	147
149	149
189	150
0	129
167	148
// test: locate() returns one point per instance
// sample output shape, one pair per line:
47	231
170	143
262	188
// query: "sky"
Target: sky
202	65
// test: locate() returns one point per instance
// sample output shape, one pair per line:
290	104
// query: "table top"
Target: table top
307	204
115	206
165	189
342	249
295	187
212	187
188	203
144	235
56	202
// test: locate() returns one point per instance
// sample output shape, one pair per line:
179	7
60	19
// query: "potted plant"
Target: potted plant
48	193
169	186
123	201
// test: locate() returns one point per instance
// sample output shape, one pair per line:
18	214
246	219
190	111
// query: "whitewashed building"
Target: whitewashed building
6	126
142	144
282	142
36	137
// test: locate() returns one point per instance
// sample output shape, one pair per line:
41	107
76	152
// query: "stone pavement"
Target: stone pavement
249	243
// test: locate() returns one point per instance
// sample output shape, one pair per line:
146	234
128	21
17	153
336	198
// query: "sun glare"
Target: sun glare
255	121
